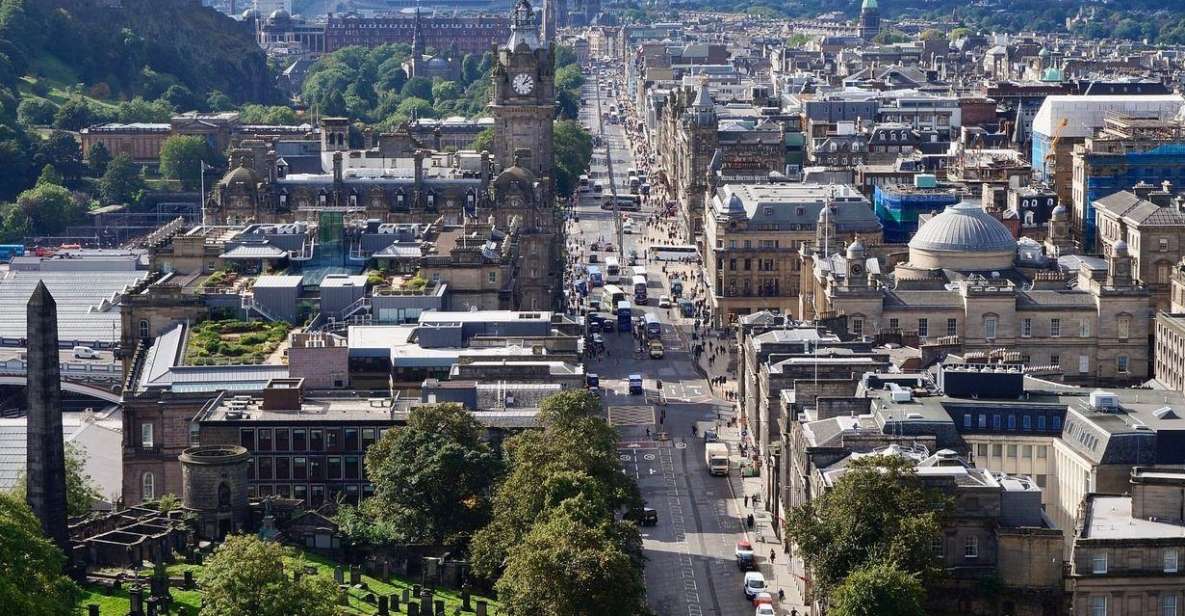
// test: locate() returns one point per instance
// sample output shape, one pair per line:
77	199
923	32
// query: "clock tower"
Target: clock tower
524	100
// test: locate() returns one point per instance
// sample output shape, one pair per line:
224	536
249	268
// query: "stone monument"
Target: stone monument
46	471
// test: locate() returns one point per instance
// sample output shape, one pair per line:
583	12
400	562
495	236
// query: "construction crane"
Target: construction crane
1049	154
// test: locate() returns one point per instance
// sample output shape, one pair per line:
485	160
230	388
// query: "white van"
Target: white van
85	352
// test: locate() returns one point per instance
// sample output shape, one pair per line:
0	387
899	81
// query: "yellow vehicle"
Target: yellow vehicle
656	350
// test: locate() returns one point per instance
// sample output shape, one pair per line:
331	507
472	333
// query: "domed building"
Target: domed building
430	67
969	286
962	237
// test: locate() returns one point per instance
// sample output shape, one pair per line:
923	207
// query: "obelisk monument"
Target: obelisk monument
46	471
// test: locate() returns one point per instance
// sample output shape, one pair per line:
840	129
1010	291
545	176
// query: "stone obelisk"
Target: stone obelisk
46	473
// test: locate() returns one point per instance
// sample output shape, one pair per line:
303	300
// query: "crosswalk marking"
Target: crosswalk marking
639	415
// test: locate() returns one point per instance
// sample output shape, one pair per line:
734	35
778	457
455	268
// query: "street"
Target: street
691	567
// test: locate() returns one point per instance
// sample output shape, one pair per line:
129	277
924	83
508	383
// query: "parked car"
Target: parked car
765	609
744	554
664	302
644	516
754	584
85	352
763	598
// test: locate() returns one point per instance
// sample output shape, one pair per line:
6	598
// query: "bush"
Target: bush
35	112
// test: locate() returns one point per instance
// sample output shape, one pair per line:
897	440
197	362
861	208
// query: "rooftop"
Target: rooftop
1110	517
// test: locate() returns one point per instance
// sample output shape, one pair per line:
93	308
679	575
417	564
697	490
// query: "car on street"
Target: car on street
664	301
643	516
85	352
754	584
763	598
656	349
636	385
746	561
765	609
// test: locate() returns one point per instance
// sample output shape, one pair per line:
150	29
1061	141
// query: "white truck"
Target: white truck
716	457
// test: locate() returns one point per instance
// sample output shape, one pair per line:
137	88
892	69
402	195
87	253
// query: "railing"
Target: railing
363	304
249	304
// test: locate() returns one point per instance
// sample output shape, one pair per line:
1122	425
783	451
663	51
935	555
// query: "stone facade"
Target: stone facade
215	489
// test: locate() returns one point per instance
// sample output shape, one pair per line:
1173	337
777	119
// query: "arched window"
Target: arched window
1030	218
144	328
148	487
223	496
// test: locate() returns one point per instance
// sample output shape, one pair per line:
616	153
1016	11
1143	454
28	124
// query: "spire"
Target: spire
524	29
417	35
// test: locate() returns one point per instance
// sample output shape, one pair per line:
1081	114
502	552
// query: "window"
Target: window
265	439
316	440
1012	422
493	277
282	442
971	547
352	467
1084	329
1027	423
1123	327
1042	452
894	324
299	439
982	420
368	437
351	439
1098	563
300	468
996	422
1170	561
334	470
952	327
1164	245
981	450
1012	451
1168	604
146	440
989	327
1055	359
1121	364
1040	422
283	468
1055	327
1027	452
1026	328
997	451
967	419
148	487
1057	423
1041	481
247	438
1083	364
265	468
144	328
923	327
858	327
938	546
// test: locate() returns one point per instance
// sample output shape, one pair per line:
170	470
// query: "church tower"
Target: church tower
524	98
870	20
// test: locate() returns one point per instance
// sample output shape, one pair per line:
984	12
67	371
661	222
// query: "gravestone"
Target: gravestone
416	589
152	606
413	609
339	576
426	597
296	575
355	575
465	600
188	576
481	607
92	609
394	603
137	599
406	595
439	607
384	605
343	597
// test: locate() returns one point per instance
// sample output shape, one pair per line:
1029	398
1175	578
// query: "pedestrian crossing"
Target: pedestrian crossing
631	415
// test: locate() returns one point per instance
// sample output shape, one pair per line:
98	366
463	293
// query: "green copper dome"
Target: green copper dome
869	4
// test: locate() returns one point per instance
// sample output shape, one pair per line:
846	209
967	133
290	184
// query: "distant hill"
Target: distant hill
141	47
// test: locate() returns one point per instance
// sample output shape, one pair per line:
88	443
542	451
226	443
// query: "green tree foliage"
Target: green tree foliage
159	111
75	114
445	90
181	158
217	101
263	114
49	209
34	111
485	140
62	150
568	565
31	580
121	183
81	489
877	512
432	479
419	87
246	576
572	146
97	159
573	456
49	175
878	590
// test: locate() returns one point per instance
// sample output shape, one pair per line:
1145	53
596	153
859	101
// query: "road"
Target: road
691	566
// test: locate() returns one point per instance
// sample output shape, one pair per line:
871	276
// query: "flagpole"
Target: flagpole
202	198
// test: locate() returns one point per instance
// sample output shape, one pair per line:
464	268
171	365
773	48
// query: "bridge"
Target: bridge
94	391
97	380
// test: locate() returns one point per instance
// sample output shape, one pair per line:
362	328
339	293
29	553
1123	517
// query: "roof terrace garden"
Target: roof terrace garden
233	341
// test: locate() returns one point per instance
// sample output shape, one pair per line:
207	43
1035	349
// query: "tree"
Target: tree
62	151
413	107
49	175
418	87
139	110
433	478
74	114
876	512
445	91
81	490
599	574
35	111
31	580
572	146
49	208
217	101
484	142
263	114
97	158
470	69
246	576
878	590
181	158
121	183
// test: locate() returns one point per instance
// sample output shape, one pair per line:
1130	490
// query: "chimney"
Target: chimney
283	395
337	167
1142	190
419	157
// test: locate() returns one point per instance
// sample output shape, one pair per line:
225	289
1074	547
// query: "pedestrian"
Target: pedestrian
781	595
772	555
746	500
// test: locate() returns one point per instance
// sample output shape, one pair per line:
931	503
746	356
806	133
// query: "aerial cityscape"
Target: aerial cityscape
592	308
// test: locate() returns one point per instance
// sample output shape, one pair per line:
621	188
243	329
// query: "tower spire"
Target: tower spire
417	35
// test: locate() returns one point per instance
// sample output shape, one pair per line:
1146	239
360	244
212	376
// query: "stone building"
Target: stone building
967	277
420	64
752	233
870	20
471	34
215	489
1152	224
1128	550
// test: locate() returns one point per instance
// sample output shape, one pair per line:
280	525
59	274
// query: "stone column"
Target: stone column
45	477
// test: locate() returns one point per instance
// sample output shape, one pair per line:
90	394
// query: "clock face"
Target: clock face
523	84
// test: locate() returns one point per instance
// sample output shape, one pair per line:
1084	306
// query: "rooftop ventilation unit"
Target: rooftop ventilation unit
1104	401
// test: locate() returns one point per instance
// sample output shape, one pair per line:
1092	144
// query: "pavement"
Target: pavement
691	566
